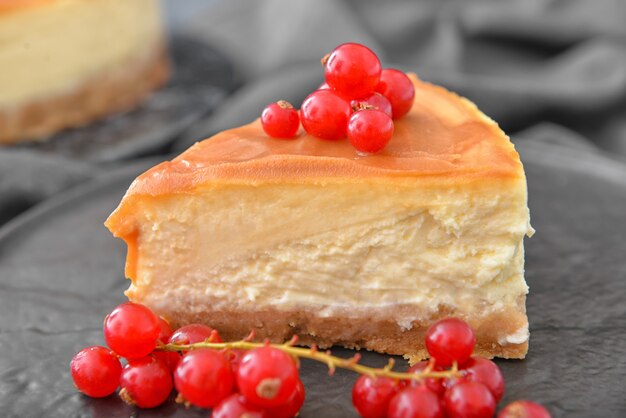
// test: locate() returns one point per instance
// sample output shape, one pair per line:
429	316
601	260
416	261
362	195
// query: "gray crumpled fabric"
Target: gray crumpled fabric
523	62
547	70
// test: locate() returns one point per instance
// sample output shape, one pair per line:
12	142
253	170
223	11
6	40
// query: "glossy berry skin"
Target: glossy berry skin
267	376
234	357
280	120
469	400
188	334
325	115
376	101
145	382
398	89
449	382
96	371
131	330
353	70
165	331
204	378
371	396
291	407
170	358
450	340
434	385
415	402
485	371
194	333
325	86
524	409
236	406
369	131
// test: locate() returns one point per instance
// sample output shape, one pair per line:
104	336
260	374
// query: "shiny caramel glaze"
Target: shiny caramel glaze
15	5
443	135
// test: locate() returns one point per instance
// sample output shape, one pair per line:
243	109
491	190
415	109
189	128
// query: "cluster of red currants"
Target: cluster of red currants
359	100
262	381
473	392
259	383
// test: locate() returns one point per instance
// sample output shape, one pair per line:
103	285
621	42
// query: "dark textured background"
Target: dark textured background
552	73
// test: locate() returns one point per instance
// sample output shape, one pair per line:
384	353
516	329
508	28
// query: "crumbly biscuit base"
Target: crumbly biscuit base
376	331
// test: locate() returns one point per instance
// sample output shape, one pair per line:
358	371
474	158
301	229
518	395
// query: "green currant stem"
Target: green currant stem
324	357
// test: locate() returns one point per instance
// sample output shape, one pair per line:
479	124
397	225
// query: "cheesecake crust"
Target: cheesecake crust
373	332
111	91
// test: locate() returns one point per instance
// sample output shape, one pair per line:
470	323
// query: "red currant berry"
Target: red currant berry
165	331
194	333
415	402
447	383
131	330
450	340
325	114
375	101
430	382
486	372
96	371
524	409
145	382
353	70
280	120
469	400
234	356
371	395
204	378
267	376
236	406
169	358
398	88
325	86
370	131
291	407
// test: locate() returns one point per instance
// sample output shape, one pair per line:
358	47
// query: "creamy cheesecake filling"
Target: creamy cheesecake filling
391	262
52	47
458	249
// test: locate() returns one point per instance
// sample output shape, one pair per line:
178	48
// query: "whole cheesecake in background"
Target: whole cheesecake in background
65	63
308	237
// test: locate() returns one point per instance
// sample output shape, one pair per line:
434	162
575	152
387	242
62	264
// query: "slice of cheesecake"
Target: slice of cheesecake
65	63
307	237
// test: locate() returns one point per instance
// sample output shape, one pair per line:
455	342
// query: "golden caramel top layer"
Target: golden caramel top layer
443	135
14	5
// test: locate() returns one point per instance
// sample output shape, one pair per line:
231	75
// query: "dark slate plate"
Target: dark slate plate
61	272
201	77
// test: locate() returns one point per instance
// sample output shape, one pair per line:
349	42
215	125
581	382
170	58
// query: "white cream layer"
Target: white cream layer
51	47
340	249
